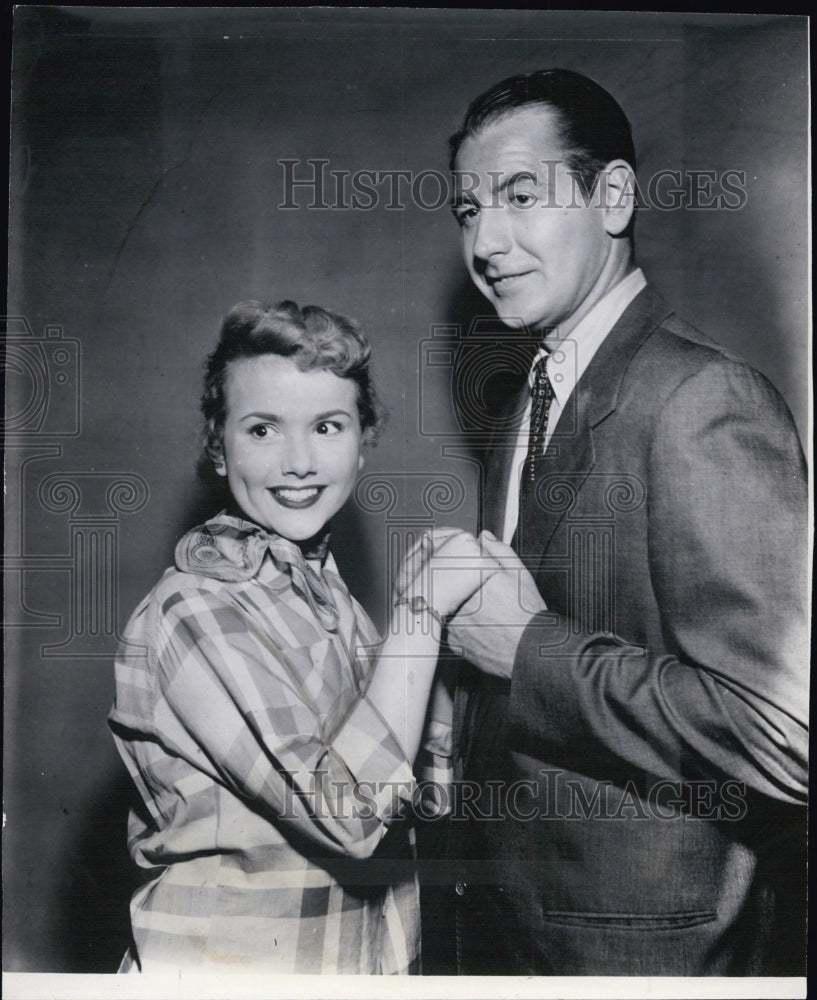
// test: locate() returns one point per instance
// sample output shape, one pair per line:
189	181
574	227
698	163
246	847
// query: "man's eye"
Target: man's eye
465	215
522	199
328	427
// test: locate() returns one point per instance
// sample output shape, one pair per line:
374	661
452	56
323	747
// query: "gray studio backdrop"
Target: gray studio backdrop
146	197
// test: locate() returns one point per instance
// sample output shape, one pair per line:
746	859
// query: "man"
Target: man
635	700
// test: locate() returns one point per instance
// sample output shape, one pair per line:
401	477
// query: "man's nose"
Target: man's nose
493	232
299	458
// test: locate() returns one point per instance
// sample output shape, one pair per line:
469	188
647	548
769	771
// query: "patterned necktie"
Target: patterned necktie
541	399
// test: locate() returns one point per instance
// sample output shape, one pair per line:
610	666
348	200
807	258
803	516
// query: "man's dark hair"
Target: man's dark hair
591	125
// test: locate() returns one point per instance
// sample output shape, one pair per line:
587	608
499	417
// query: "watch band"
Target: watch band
418	605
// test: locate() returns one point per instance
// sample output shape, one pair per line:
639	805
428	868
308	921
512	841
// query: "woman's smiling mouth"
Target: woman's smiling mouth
296	496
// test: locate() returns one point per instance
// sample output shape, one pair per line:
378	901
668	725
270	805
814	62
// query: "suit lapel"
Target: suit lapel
571	453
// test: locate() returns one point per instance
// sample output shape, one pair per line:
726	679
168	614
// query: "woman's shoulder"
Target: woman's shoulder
178	593
176	586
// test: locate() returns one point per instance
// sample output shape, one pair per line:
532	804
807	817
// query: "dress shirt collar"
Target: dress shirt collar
569	356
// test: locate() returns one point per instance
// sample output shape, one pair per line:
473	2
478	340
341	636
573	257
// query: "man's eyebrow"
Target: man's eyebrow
461	199
520	175
496	188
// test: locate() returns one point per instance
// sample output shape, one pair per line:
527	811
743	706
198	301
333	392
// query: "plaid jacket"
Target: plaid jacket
273	787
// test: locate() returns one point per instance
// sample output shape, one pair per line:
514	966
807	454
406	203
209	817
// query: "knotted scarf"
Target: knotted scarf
232	549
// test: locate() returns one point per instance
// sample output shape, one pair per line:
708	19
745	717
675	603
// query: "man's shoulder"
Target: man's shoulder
667	357
676	335
678	329
675	349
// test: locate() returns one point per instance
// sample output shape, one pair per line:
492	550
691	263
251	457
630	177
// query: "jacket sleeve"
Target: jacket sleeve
434	765
232	704
727	551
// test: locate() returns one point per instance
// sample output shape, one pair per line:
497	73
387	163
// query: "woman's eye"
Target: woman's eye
328	427
260	430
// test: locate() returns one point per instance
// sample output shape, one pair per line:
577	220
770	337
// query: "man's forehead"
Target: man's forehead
520	147
520	137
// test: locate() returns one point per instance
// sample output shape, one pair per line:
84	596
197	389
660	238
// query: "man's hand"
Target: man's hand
444	569
488	627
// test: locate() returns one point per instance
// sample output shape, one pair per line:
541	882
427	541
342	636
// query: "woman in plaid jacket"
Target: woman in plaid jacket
269	731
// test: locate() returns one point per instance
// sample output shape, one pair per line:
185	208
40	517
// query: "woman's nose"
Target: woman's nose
299	456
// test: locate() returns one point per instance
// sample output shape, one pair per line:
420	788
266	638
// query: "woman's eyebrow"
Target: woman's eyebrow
260	415
275	418
332	413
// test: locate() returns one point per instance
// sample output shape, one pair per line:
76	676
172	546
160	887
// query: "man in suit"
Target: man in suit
635	698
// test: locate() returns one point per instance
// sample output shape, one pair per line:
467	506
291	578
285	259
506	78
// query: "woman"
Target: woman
270	734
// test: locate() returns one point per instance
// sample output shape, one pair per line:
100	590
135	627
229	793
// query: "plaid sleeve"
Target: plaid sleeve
247	712
375	757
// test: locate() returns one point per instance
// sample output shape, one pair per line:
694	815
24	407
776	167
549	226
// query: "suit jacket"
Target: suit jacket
632	799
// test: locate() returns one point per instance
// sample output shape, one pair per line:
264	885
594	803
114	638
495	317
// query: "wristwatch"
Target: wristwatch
418	605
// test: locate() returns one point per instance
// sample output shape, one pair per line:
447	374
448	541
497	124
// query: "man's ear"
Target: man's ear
620	196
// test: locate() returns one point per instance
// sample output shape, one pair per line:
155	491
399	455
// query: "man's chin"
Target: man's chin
514	321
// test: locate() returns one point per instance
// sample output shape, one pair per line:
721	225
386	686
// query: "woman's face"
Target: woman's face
292	445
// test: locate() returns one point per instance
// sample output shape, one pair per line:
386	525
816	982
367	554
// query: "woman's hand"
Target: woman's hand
445	567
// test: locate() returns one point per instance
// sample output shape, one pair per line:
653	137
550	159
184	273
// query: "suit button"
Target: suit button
460	888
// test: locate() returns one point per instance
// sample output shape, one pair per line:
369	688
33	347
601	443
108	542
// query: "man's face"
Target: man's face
532	246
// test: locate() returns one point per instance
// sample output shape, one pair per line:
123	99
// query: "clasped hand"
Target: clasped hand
480	586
